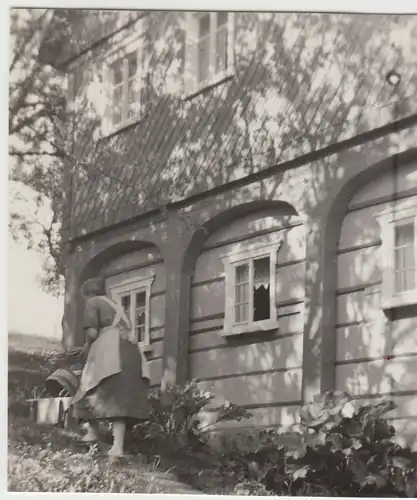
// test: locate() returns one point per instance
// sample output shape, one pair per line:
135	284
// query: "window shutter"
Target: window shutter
231	42
190	70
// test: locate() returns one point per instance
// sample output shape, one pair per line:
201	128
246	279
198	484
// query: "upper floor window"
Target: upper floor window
209	49
250	279
134	295
123	88
399	246
122	76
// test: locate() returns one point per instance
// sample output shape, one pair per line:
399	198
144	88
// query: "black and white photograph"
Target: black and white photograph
212	251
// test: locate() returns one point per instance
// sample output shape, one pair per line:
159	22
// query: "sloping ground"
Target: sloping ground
44	458
47	459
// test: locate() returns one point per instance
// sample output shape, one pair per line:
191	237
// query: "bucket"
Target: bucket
62	383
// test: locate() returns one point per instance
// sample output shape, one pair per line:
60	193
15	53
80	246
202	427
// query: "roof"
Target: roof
75	31
306	81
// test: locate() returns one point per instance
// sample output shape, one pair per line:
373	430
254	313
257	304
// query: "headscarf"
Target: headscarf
94	286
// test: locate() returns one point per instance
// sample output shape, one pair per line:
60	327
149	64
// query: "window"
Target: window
250	289
399	246
134	296
122	75
209	49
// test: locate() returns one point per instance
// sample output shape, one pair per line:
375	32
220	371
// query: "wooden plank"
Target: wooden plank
278	416
377	338
278	387
379	377
280	353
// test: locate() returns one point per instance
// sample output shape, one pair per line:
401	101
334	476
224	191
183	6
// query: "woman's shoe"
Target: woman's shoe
115	452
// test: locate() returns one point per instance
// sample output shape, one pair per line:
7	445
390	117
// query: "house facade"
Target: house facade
247	185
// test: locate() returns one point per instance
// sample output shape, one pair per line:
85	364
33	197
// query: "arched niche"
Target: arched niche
134	272
369	344
261	365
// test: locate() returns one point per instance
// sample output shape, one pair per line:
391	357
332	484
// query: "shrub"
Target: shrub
174	418
345	452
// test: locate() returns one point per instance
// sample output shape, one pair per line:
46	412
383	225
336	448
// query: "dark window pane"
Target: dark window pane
140	299
404	235
203	59
222	18
204	25
132	60
117	96
125	300
261	289
261	303
221	50
117	72
262	272
242	273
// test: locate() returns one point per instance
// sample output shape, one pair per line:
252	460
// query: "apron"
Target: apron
103	358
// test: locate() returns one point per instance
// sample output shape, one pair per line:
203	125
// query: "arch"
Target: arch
95	264
93	267
332	233
223	217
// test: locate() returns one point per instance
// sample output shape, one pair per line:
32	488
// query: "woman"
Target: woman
115	380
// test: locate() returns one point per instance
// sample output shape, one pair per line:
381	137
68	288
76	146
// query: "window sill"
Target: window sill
259	326
107	133
401	300
208	85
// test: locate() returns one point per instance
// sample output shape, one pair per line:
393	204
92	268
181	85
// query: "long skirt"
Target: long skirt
120	396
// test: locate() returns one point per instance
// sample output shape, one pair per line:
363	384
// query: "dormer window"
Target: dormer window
209	49
123	77
123	87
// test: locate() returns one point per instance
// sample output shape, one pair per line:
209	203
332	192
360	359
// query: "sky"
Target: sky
31	310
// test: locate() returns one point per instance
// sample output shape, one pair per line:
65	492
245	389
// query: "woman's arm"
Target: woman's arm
91	324
91	335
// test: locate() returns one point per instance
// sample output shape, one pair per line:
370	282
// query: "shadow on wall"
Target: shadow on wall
248	123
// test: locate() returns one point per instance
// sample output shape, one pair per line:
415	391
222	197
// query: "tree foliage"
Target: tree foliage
36	147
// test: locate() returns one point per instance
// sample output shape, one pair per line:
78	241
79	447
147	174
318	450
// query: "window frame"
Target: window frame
133	286
236	258
389	220
121	52
191	83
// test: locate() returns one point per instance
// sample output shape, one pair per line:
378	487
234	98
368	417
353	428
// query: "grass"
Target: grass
45	458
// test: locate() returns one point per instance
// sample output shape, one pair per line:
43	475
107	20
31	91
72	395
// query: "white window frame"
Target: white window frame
132	286
191	84
137	45
236	258
389	220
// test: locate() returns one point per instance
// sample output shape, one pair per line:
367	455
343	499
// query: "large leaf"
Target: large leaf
299	452
400	462
357	467
336	441
300	473
348	410
411	485
374	479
